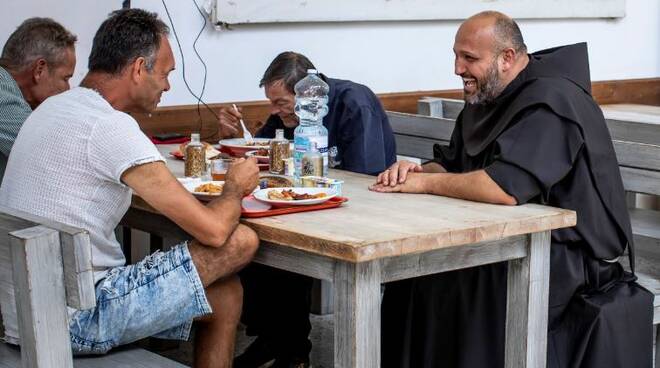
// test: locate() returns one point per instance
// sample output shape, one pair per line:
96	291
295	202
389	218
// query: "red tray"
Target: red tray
274	211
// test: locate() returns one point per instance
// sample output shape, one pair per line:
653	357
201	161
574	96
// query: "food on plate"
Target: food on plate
209	188
274	182
290	195
258	143
261	152
210	150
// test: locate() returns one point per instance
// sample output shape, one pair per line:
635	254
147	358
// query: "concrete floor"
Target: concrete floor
321	337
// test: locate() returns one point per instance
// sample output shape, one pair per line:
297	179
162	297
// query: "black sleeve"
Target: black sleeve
368	147
535	154
449	157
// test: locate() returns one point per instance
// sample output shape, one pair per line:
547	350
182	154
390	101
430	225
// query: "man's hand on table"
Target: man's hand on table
397	173
242	177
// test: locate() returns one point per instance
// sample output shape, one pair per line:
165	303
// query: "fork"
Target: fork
246	133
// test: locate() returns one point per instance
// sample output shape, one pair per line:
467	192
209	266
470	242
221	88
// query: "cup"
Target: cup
219	168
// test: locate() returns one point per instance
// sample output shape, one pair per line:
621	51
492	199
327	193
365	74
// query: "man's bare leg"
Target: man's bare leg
216	334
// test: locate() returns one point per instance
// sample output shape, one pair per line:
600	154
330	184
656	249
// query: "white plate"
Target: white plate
240	143
191	184
262	195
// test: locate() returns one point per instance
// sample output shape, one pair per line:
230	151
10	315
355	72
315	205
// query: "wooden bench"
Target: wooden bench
45	266
636	139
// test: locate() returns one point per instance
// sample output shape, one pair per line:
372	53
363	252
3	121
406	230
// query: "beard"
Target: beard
488	87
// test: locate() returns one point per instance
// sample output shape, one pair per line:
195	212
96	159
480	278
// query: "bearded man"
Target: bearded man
530	133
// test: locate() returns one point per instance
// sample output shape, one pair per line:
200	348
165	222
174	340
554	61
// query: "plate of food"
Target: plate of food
238	146
294	196
206	188
260	154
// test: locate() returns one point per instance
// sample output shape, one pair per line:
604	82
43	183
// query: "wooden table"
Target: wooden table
377	238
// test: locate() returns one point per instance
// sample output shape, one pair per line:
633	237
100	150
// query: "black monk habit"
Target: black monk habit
543	140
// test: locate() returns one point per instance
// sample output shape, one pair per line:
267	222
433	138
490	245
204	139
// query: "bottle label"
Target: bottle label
301	145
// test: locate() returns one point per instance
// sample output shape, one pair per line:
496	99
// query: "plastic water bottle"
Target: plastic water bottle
311	107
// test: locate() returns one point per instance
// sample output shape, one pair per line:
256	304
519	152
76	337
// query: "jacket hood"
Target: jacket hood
568	62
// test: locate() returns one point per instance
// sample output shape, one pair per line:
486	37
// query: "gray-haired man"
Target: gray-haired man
36	63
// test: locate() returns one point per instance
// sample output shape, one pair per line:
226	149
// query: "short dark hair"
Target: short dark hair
506	31
36	38
289	67
126	35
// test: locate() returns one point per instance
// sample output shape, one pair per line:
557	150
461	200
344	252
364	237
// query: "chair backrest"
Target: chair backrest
415	135
44	266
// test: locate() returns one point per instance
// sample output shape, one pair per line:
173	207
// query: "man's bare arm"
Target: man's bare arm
474	186
211	225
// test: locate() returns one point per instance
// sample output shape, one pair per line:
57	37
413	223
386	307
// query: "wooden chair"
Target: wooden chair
637	146
45	266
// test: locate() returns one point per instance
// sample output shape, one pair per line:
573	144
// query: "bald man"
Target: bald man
530	132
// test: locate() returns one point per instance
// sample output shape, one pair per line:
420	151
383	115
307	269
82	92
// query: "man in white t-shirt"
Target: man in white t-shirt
78	159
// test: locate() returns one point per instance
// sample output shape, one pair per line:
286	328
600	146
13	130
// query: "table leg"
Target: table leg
527	305
357	315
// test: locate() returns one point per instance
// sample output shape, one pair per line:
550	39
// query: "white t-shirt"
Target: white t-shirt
66	165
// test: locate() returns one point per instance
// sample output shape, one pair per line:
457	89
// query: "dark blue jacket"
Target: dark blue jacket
357	126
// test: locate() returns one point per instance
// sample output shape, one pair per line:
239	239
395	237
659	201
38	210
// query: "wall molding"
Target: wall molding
185	119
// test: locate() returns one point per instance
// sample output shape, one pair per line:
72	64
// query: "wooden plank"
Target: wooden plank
10	357
452	108
453	258
417	147
638	155
639	113
645	223
447	108
421	126
322	297
357	315
430	106
631	131
528	284
644	91
40	298
78	271
640	181
295	260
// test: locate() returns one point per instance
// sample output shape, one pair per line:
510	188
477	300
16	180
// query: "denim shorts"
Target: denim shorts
158	296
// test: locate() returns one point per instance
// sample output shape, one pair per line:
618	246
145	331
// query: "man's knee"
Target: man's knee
247	242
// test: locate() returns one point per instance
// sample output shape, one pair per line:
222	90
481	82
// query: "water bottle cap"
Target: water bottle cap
194	137
312	71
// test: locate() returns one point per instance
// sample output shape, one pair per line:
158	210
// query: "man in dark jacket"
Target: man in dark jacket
530	132
360	139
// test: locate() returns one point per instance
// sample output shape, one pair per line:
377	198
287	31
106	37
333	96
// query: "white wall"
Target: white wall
388	57
82	17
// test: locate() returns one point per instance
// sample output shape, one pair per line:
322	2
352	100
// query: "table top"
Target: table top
375	225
